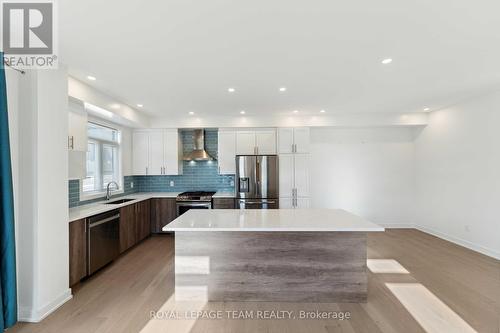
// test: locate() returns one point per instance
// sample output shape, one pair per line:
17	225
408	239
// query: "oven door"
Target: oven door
184	206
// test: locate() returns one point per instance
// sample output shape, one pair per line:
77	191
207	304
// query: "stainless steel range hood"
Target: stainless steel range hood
198	153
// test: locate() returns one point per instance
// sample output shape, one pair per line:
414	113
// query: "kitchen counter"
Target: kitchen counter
80	212
274	255
223	194
271	220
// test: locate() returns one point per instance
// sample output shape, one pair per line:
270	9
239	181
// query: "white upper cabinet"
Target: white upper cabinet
140	152
293	140
226	155
301	138
157	152
285	140
265	142
256	142
172	156
77	125
156	143
245	143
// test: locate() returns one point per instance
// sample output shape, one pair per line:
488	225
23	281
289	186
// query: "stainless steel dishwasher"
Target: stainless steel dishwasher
103	242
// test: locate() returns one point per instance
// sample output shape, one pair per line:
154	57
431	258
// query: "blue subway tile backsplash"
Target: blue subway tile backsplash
196	176
74	191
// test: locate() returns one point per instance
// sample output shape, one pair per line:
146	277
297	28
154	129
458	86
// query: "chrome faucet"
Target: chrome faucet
108	190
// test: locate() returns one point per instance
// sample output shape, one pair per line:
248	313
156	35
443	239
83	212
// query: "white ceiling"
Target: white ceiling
180	56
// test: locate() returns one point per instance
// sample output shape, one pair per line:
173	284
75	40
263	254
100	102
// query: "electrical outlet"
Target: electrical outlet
131	184
172	183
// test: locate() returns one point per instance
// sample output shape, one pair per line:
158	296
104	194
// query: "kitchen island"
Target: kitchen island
282	255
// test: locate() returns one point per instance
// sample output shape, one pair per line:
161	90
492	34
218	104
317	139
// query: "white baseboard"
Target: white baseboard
471	246
397	225
34	316
462	242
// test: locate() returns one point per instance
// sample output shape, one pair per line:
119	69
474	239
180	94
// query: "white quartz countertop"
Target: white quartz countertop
222	194
81	212
271	220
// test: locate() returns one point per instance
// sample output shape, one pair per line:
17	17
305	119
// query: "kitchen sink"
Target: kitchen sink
117	202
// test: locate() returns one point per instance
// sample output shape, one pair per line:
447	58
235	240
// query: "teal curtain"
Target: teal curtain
8	293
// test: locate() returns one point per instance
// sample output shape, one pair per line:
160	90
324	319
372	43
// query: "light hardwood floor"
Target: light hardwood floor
121	297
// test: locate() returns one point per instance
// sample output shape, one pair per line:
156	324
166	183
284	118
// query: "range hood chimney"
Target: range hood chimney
198	153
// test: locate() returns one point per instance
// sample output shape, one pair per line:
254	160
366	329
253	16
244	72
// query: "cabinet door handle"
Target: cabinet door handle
146	170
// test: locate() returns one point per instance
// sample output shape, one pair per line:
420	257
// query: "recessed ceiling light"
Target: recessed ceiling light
140	105
295	111
242	112
387	61
231	89
322	111
426	109
283	89
91	78
191	113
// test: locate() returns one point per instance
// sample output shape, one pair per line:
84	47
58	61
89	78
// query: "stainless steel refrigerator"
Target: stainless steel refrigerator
257	181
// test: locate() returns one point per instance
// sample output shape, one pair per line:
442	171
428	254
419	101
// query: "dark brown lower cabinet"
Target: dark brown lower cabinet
127	227
143	216
77	251
223	203
163	211
135	224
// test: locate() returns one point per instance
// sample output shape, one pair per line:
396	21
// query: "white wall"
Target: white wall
42	227
122	113
368	171
287	120
458	174
12	78
126	151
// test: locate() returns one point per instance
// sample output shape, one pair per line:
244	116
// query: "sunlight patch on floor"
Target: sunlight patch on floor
429	311
386	266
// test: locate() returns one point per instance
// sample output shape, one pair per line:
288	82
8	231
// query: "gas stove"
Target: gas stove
195	196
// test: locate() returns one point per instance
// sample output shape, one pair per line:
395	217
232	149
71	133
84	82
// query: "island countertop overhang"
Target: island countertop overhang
272	220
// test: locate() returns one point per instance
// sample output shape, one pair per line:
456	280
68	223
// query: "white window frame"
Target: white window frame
102	193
